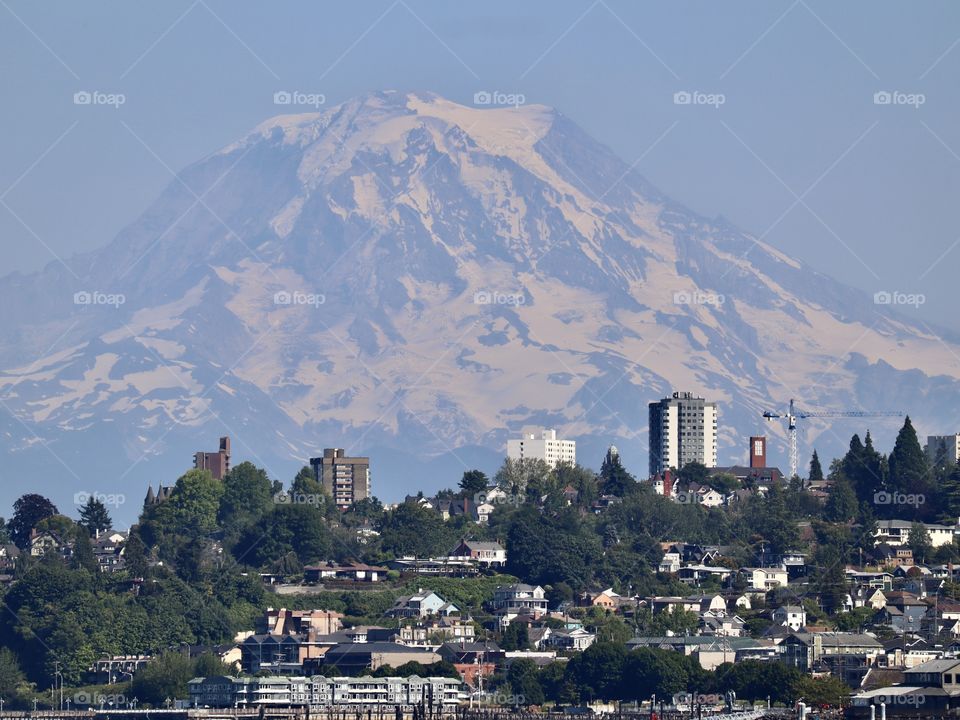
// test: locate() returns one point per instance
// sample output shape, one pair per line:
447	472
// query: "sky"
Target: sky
828	129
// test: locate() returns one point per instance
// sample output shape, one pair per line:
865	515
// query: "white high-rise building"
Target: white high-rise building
683	429
542	444
952	443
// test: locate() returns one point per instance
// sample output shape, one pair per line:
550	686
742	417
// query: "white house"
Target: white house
766	578
791	616
897	532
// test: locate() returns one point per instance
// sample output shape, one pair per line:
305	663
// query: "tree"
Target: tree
191	510
614	478
83	557
28	510
287	528
841	506
412	529
162	679
94	516
13	683
135	554
816	472
919	541
908	464
247	495
694	472
473	483
524	683
515	637
516	476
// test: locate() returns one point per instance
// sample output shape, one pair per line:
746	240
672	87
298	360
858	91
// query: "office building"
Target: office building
347	479
542	444
683	429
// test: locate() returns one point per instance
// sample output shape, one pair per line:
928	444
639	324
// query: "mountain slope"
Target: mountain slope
408	277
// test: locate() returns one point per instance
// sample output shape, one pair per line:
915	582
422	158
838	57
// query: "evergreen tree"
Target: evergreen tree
919	541
614	477
816	472
909	472
134	554
83	557
842	505
94	516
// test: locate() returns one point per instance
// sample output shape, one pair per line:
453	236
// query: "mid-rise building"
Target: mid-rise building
320	692
542	444
347	479
218	463
950	442
683	429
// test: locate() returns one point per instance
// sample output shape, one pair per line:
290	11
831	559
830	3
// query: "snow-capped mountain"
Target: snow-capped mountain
414	279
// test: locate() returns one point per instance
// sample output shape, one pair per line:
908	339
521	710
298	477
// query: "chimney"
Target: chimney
758	451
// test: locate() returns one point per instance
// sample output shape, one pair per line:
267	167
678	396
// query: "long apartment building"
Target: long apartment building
320	692
683	429
542	444
347	479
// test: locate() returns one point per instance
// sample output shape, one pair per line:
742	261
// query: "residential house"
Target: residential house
520	596
422	603
764	579
571	640
428	632
696	574
47	541
108	550
354	572
486	554
791	616
670	563
897	533
805	650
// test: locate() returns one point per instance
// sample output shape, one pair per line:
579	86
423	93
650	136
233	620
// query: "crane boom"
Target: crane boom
793	414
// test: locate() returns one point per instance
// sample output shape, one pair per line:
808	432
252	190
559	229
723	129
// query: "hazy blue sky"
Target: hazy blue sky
798	152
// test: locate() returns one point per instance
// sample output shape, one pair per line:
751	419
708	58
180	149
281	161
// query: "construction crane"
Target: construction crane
794	414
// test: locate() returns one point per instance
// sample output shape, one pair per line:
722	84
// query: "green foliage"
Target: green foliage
842	504
164	679
293	528
473	482
94	516
524	683
411	529
13	683
909	472
28	511
816	471
614	478
246	496
754	680
515	638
